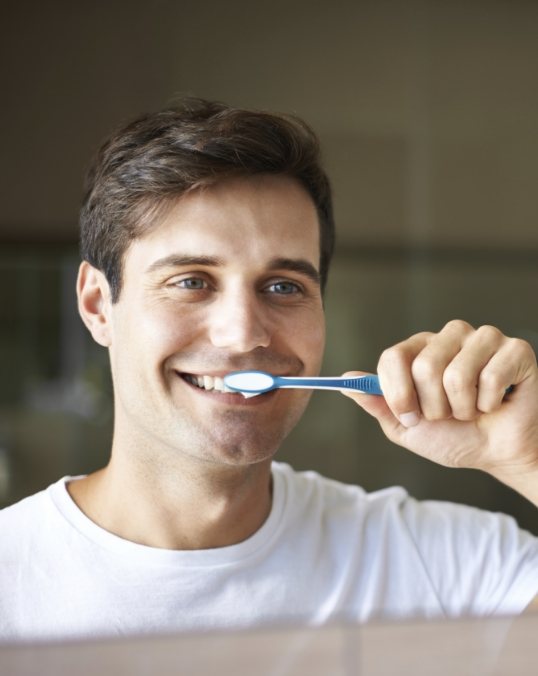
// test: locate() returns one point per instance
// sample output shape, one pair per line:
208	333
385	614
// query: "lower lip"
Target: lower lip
230	398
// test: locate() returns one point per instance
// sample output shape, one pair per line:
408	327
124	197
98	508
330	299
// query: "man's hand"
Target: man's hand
445	398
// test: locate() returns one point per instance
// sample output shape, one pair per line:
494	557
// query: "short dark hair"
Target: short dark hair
144	166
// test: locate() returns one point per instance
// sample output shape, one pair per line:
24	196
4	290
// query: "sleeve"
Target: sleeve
478	562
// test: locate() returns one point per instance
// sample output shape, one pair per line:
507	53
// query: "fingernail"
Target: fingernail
410	419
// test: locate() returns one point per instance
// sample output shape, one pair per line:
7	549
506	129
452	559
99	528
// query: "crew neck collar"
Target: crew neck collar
232	554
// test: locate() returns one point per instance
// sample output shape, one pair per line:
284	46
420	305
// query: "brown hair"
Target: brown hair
146	165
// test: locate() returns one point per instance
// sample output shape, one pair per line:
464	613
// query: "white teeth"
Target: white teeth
209	383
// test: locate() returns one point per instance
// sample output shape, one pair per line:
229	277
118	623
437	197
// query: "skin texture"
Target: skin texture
205	292
445	399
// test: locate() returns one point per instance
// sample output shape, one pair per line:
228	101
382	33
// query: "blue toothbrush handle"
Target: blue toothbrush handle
368	384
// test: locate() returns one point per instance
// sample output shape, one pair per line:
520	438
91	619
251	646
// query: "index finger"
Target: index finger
394	371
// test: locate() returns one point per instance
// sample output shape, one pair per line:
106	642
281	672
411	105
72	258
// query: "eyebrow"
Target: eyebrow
177	261
300	265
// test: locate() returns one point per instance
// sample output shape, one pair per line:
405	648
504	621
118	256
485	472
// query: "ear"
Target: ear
93	294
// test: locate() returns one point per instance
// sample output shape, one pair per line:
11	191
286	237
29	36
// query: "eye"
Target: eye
284	288
191	283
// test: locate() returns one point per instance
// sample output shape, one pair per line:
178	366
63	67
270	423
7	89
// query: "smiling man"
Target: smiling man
205	292
206	237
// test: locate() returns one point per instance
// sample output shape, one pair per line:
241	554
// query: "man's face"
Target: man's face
227	281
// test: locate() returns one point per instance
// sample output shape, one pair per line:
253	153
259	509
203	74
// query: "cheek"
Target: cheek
310	339
318	344
157	330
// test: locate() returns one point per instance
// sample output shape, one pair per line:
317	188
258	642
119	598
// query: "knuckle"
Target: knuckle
392	356
456	380
425	368
458	326
403	351
385	357
489	334
491	379
521	348
426	336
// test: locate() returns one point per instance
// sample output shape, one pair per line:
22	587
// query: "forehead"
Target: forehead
256	218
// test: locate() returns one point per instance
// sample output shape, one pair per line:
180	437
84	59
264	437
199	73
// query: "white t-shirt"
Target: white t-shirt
327	552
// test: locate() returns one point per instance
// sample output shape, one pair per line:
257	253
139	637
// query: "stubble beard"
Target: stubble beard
181	439
235	439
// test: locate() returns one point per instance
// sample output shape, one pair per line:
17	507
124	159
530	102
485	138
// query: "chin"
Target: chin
247	452
236	447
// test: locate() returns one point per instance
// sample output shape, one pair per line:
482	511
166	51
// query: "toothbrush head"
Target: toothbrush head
250	383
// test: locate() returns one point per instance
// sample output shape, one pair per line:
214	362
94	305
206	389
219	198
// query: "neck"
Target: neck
194	505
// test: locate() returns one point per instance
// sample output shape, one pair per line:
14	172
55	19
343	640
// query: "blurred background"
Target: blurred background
427	112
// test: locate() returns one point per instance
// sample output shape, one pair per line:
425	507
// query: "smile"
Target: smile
209	383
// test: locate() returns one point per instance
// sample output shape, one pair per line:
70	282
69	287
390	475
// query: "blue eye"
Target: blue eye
192	283
284	288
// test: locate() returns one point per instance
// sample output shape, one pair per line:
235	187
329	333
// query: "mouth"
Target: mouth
213	387
207	382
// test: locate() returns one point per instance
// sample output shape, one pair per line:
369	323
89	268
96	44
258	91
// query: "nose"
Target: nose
238	323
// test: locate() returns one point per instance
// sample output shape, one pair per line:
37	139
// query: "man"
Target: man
206	234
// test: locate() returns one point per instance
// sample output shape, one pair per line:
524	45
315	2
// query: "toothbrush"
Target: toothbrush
252	383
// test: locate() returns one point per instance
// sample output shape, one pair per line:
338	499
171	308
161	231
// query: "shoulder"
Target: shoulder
476	561
310	482
328	498
28	516
23	511
427	524
457	522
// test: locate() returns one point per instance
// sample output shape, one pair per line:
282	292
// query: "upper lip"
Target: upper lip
221	374
232	369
